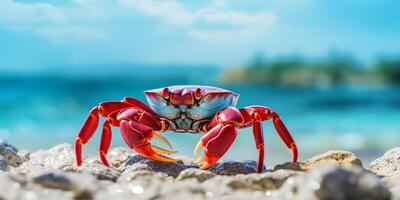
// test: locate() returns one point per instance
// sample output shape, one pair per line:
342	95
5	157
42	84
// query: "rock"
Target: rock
192	189
13	189
393	183
24	154
333	182
338	157
223	185
18	189
3	164
53	174
117	156
129	175
10	153
138	167
62	157
139	171
102	172
134	159
233	168
388	164
198	174
54	180
395	192
172	169
269	180
84	183
58	157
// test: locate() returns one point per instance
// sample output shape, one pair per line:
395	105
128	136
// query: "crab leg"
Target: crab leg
254	115
105	142
91	123
219	138
259	140
86	132
138	104
285	135
106	135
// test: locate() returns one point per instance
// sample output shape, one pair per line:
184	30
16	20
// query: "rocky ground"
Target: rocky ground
52	174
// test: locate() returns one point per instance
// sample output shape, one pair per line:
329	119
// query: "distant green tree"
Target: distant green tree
341	66
389	69
337	68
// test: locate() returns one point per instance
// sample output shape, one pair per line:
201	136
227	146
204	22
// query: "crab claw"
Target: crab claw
215	143
138	135
147	150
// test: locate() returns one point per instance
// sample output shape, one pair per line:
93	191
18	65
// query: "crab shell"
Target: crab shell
185	105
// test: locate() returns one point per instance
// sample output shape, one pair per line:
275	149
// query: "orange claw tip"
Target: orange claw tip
206	165
205	162
196	151
162	158
146	149
163	151
161	139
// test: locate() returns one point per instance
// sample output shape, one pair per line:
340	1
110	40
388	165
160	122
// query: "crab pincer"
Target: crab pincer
138	135
219	138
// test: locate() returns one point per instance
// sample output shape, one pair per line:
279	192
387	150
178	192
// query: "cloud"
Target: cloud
170	12
211	23
53	22
83	19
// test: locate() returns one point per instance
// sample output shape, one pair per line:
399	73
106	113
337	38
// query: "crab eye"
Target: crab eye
165	93
197	93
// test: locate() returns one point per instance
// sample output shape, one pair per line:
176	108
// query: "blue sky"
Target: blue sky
44	34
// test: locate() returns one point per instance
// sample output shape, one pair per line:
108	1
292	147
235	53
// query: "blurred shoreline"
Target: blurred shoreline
336	69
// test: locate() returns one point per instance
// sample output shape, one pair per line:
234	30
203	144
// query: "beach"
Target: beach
52	174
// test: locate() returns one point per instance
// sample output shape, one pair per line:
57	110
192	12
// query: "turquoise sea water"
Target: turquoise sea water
41	111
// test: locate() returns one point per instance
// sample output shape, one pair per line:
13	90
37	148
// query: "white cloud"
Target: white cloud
51	21
213	22
203	23
170	12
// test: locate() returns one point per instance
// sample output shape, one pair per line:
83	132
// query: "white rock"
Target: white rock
334	183
58	157
388	164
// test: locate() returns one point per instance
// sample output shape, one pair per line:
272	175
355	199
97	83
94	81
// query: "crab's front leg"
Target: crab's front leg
223	131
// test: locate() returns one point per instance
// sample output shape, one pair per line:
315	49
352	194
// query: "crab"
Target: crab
206	110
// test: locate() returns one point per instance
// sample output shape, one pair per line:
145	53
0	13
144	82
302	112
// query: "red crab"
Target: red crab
207	110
